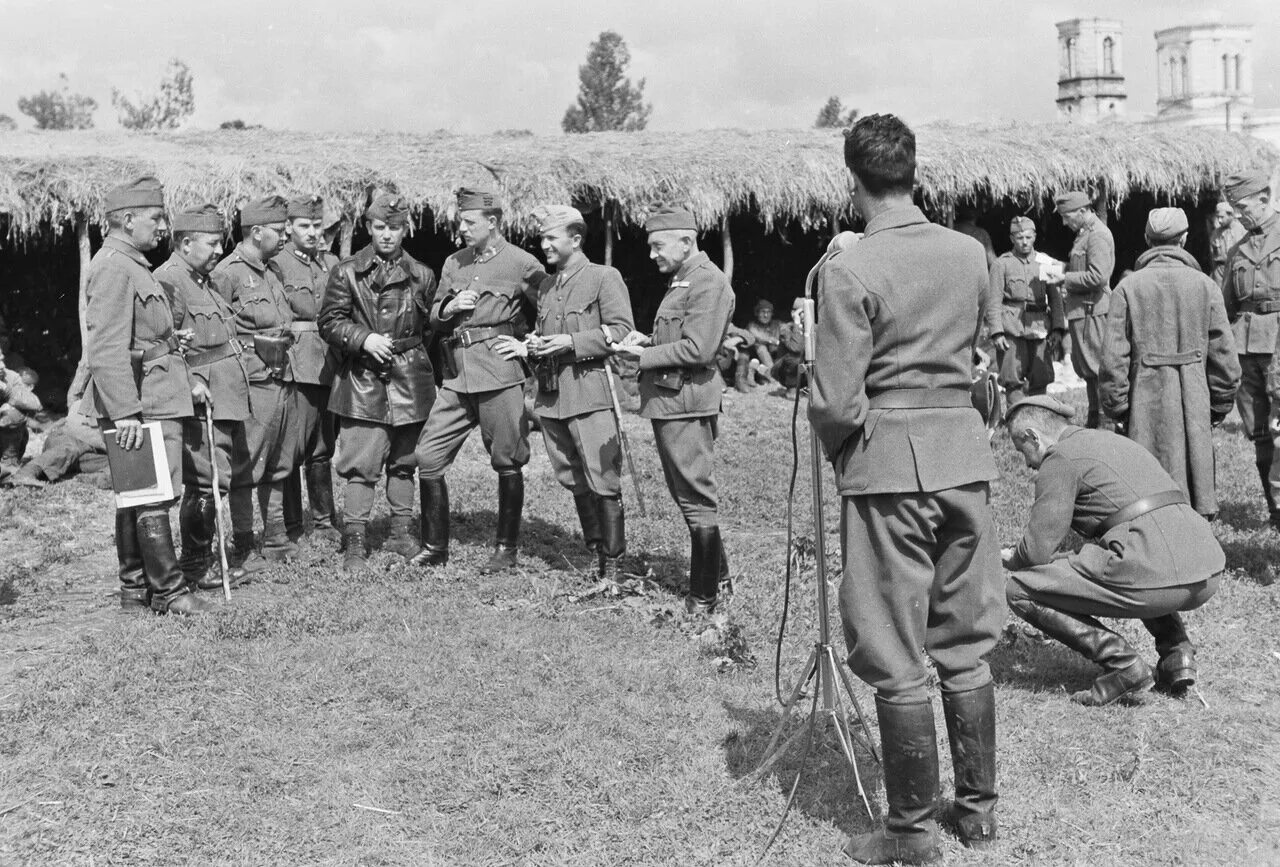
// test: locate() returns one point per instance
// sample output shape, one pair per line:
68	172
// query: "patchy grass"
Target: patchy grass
446	718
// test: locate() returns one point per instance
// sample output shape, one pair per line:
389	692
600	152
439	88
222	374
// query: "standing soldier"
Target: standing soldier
137	374
582	308
214	358
1031	321
375	312
252	282
1086	290
484	292
680	390
1226	233
1251	291
305	268
1169	365
897	315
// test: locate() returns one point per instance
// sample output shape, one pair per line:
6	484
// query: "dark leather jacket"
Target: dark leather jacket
364	296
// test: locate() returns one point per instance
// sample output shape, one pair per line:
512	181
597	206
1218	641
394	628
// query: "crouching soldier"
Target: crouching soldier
375	312
576	305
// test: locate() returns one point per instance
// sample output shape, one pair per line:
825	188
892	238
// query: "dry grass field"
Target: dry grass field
450	719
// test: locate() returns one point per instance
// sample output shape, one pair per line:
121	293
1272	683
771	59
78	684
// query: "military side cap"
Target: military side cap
305	208
552	217
1248	183
390	208
271	209
1044	402
478	200
1165	224
202	218
762	304
670	217
1021	224
1073	201
143	192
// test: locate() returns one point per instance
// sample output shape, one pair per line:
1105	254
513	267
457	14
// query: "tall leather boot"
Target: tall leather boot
293	524
613	537
195	527
245	557
1094	417
704	570
169	592
742	374
324	517
400	537
434	494
1176	670
355	554
134	594
910	751
971	730
277	546
510	507
588	506
1125	672
1264	454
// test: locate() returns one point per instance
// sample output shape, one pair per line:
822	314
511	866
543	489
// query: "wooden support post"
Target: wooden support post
728	248
608	237
81	378
1100	203
835	223
344	238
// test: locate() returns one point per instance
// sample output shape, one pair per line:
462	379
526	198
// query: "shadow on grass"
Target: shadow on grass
1039	666
827	789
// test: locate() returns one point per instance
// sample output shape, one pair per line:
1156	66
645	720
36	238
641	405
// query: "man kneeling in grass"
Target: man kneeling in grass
1148	554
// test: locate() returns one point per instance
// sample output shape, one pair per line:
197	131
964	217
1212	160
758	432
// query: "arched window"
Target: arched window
1183	79
1226	72
1240	85
1173	76
1108	56
1071	57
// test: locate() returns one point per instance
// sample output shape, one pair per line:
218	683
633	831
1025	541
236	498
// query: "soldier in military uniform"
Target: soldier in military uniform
680	390
1086	290
375	313
1251	293
1148	554
251	281
137	374
1029	321
215	359
897	317
1226	233
582	308
485	291
305	267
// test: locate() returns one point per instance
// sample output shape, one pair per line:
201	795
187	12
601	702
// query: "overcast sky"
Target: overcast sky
507	64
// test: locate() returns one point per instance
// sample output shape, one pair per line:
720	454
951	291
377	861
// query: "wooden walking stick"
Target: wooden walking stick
217	503
622	436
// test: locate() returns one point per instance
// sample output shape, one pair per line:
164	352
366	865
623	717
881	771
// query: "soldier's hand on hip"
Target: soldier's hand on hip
509	348
379	346
461	303
129	434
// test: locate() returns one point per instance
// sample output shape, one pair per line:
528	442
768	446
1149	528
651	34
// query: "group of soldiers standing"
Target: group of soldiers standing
280	361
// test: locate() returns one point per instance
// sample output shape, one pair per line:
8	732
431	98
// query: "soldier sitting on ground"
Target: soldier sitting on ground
767	348
17	400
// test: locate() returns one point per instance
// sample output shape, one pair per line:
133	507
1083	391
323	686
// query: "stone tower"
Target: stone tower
1205	75
1090	70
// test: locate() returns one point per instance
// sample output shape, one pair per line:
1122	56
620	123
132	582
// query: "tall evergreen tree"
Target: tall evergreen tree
607	100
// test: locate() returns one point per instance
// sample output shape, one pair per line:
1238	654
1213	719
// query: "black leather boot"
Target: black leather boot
134	594
355	555
510	507
704	570
400	537
971	729
324	517
1176	670
434	494
1125	672
613	540
277	546
588	506
1264	453
293	525
910	751
196	528
169	592
1093	419
245	557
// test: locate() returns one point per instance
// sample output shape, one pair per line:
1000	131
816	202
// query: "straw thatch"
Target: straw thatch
49	178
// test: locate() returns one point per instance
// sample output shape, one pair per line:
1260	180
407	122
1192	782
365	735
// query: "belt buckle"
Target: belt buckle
464	339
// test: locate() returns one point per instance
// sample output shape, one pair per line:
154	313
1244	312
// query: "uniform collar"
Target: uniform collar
250	258
177	262
498	247
895	218
301	255
697	260
1166	253
121	245
366	259
566	274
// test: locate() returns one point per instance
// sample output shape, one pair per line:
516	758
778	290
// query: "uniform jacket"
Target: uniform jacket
1023	300
364	296
199	307
126	309
305	278
255	290
900	311
678	375
506	279
1088	276
1089	475
1168	361
577	301
1220	243
1253	279
16	398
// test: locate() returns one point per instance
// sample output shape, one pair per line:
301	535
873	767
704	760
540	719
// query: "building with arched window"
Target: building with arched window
1090	77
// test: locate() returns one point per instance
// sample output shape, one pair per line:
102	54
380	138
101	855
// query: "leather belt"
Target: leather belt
209	356
298	326
1265	305
1137	509
921	398
468	336
167	345
404	344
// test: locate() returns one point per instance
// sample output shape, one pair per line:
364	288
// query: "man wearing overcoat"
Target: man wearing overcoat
1029	321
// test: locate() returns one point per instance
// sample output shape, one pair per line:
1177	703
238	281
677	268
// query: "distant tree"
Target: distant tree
238	124
59	109
7	124
832	115
167	109
607	100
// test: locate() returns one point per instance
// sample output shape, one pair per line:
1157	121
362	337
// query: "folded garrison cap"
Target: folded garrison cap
390	208
670	217
269	209
201	218
143	192
1073	201
1021	224
306	208
1165	224
1248	183
478	200
552	217
1044	402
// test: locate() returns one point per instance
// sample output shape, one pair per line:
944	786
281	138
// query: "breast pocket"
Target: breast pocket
668	328
1241	280
1270	268
1017	289
301	300
153	311
257	312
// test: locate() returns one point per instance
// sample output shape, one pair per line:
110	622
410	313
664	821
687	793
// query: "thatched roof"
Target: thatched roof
782	175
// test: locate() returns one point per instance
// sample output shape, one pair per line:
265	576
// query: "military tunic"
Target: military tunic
1027	312
310	357
1170	366
680	387
1221	241
897	318
1162	561
578	427
1086	287
480	387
